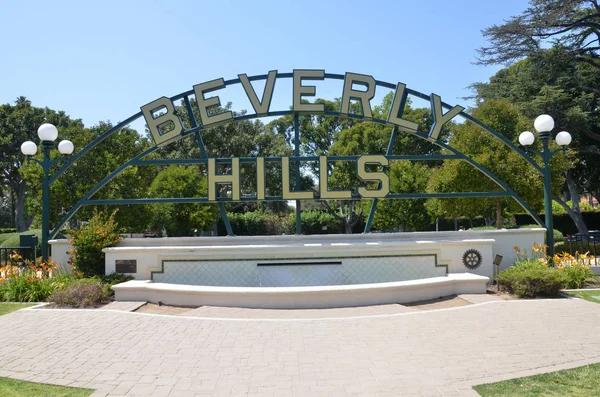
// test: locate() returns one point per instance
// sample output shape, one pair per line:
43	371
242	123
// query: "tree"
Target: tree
236	139
572	25
552	82
490	152
181	219
410	214
19	123
89	170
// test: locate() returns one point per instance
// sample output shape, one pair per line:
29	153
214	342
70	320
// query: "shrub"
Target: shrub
7	230
100	232
24	281
575	268
315	222
531	278
81	293
533	275
115	278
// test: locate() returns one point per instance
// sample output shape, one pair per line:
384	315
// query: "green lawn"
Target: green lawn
18	388
577	382
588	295
6	308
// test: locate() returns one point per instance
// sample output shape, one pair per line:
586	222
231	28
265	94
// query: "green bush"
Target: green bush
316	222
562	247
82	293
253	223
26	282
87	256
558	236
7	230
531	279
115	278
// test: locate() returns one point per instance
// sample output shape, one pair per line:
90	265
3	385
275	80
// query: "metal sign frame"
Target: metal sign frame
262	110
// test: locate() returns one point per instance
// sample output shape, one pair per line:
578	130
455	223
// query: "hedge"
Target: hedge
563	222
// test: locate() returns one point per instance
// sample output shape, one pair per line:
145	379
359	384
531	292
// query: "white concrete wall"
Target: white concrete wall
301	297
448	246
60	255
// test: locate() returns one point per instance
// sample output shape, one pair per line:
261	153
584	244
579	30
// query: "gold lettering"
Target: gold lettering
205	104
397	108
306	90
439	119
233	179
287	193
155	123
324	191
260	107
364	97
382	177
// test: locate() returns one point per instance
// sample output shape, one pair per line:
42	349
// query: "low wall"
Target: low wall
170	259
60	253
301	297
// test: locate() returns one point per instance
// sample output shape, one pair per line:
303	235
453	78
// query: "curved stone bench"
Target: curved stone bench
301	297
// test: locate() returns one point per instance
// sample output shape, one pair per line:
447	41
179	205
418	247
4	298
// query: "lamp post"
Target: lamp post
544	124
47	134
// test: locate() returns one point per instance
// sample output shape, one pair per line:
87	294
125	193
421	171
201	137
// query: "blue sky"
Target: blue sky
102	60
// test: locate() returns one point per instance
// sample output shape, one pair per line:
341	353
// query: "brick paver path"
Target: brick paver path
431	353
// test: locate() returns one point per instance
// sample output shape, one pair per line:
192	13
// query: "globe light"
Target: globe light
563	138
544	123
28	148
65	147
47	132
526	138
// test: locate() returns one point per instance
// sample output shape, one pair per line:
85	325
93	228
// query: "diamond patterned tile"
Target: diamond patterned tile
360	270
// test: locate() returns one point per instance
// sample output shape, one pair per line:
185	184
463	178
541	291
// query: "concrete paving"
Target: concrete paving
413	353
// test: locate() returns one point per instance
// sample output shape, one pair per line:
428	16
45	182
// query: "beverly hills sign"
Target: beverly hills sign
166	127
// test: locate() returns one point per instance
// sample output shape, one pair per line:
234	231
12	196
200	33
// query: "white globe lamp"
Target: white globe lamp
526	138
544	123
66	147
28	148
47	132
563	138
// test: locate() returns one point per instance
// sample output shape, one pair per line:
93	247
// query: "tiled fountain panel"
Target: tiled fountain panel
320	272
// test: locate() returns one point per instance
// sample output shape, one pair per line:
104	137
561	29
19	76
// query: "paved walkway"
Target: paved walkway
429	353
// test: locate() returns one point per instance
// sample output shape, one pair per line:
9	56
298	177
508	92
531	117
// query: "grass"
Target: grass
19	388
6	308
576	382
588	295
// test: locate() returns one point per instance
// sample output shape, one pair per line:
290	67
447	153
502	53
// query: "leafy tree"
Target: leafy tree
490	152
573	25
90	169
19	123
370	138
237	139
410	214
551	82
176	218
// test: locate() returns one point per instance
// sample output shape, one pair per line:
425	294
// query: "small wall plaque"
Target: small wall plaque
126	266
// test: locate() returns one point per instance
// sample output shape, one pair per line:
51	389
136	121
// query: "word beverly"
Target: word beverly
166	127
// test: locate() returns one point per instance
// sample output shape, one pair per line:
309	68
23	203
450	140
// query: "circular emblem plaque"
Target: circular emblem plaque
472	259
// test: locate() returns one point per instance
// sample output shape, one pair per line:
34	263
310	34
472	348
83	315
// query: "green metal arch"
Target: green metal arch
197	129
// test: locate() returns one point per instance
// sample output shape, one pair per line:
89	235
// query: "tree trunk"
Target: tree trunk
20	208
347	228
499	213
13	219
573	211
